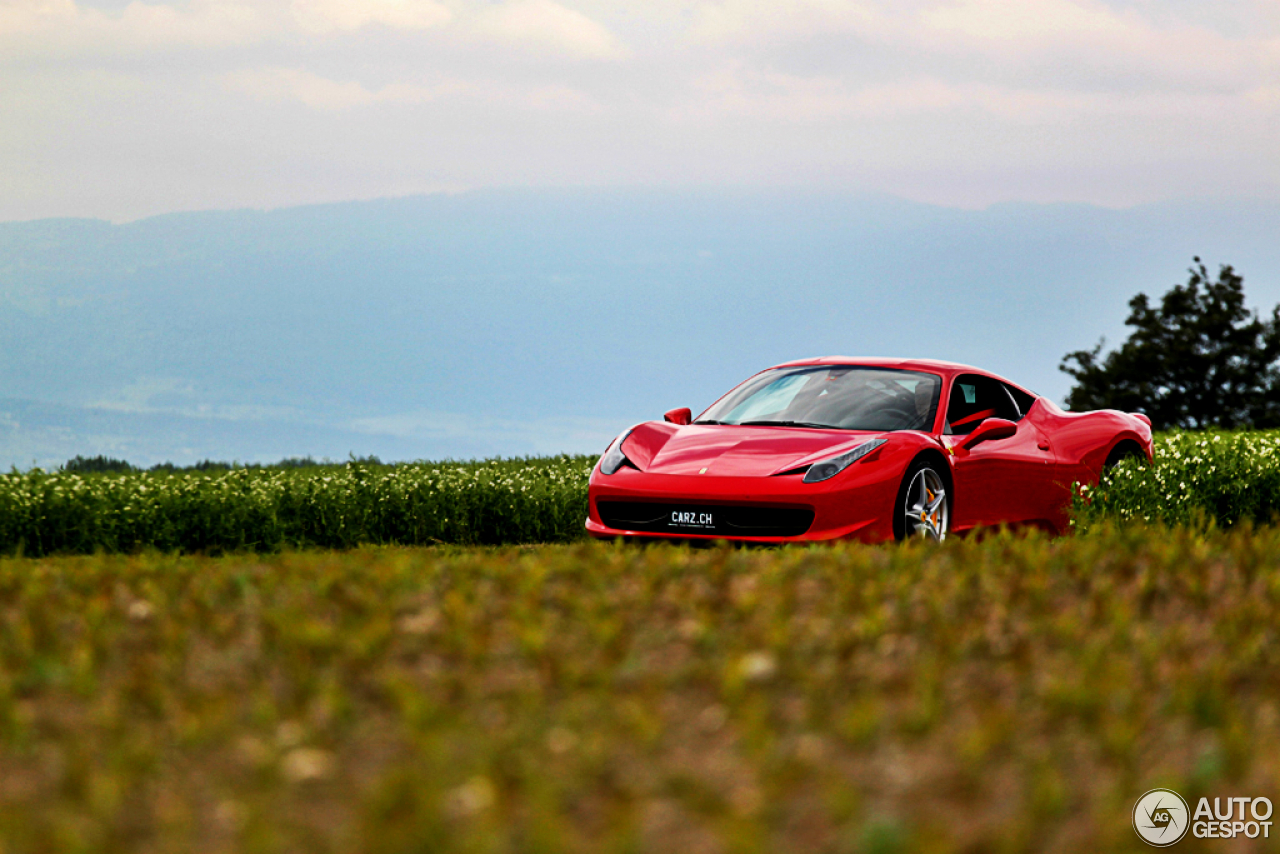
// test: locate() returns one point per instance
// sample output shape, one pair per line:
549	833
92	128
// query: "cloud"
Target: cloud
547	25
322	93
63	28
748	21
782	98
325	94
1029	23
1057	43
98	102
1081	37
329	16
548	435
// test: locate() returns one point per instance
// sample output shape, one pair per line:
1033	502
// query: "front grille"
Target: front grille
717	520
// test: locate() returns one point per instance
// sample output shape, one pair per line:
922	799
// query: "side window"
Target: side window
975	399
1021	398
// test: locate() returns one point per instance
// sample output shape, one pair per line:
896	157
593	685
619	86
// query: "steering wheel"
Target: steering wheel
905	415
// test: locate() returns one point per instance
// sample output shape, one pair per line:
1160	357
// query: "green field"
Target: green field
1212	477
1198	479
1002	695
492	502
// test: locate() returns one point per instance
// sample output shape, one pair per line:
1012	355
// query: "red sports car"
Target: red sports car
868	449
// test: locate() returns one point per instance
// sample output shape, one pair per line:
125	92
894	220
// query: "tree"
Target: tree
94	465
1201	359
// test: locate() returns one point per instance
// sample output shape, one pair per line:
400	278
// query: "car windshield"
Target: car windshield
843	397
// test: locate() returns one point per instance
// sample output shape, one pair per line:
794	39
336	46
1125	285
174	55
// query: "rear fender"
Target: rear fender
1132	440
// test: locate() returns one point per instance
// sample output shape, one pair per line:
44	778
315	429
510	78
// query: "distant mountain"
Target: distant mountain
537	321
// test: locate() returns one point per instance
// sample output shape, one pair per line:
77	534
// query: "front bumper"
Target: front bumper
855	504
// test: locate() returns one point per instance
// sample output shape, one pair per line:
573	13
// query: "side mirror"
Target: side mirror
681	416
990	430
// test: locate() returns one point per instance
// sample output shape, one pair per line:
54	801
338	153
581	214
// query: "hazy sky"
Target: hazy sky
122	109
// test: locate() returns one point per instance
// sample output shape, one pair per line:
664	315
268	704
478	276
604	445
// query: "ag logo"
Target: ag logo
1161	817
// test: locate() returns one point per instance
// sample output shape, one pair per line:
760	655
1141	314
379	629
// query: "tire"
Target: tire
923	508
1122	452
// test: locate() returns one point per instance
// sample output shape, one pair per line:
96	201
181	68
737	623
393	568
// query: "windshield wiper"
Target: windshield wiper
787	424
710	421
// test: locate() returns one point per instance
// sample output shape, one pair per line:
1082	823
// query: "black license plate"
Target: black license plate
698	520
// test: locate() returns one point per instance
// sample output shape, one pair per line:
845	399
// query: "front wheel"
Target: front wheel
923	509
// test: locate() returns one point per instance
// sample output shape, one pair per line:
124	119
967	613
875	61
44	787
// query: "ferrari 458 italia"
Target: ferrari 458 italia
868	449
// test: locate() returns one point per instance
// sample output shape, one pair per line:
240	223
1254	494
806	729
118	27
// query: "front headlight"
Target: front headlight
830	468
613	457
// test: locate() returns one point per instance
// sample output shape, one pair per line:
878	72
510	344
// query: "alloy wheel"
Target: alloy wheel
925	508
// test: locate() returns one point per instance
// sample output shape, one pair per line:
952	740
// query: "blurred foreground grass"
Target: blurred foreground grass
1004	695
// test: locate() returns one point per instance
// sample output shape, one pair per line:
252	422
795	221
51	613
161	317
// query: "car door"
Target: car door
997	481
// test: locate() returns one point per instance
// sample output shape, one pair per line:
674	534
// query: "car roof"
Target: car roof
937	366
934	365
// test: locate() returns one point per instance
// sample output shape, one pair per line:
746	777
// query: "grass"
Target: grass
1002	695
1214	477
540	499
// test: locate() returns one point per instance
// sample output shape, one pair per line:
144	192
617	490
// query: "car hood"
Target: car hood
732	451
